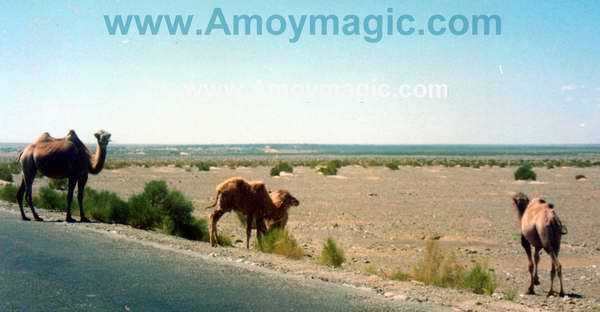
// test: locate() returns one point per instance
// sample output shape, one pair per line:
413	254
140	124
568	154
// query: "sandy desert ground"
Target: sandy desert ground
383	217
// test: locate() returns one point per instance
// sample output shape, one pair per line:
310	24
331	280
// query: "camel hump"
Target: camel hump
45	137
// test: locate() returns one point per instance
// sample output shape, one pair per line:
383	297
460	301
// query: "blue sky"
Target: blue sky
538	82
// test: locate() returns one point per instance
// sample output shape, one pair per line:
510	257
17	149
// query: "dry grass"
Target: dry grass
438	267
280	242
332	254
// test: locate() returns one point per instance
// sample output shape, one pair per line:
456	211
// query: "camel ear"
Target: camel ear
97	135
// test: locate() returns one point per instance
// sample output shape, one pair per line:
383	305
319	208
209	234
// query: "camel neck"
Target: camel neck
97	160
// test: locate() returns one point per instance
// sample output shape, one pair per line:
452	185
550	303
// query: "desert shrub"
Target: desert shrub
480	280
142	214
511	295
280	242
525	172
205	165
5	173
392	165
178	219
58	184
8	193
371	270
105	206
156	192
332	254
438	267
331	168
281	167
50	199
399	275
224	240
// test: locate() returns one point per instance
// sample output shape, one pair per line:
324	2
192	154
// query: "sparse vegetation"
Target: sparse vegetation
8	169
525	172
393	165
332	254
204	165
399	275
282	167
58	184
480	280
8	193
331	168
511	295
278	241
371	269
50	199
438	267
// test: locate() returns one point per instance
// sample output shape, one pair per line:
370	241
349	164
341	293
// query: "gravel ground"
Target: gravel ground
382	218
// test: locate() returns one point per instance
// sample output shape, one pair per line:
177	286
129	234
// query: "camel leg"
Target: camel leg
80	193
556	268
260	227
527	246
212	233
20	194
249	222
72	183
536	258
29	197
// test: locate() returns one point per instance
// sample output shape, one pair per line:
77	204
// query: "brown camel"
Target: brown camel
282	202
278	217
249	198
542	229
60	158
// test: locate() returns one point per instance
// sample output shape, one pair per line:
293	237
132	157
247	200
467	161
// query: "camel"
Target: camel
282	202
278	217
542	229
249	198
59	158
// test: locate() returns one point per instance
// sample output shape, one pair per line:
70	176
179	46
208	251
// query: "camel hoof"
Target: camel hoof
38	219
561	294
25	219
530	292
536	281
551	293
70	220
85	220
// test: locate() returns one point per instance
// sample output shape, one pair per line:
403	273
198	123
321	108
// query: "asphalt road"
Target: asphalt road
56	267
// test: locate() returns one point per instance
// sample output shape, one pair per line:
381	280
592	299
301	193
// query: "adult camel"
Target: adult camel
542	229
60	158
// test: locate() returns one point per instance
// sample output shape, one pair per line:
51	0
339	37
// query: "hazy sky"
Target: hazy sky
538	82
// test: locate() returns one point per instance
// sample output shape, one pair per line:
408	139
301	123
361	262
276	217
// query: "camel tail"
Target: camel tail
20	154
216	200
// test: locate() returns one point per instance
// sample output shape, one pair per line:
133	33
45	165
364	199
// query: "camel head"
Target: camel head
284	198
520	202
103	137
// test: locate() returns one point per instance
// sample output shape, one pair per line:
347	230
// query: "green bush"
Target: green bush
8	193
105	206
392	165
525	172
282	167
50	199
205	165
58	184
332	254
5	173
438	267
480	280
331	168
278	241
142	214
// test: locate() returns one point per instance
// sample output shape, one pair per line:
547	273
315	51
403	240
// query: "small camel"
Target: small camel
247	197
60	158
282	202
542	229
278	217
